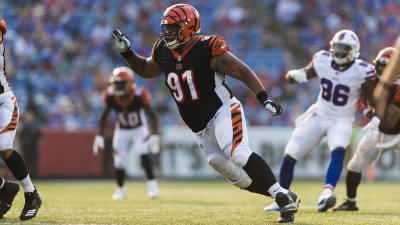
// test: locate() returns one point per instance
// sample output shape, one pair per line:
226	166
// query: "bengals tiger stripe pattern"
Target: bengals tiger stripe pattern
14	119
237	136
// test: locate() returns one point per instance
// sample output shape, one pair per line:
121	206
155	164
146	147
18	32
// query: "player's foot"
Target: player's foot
287	205
326	203
119	194
153	189
272	208
7	195
347	206
32	205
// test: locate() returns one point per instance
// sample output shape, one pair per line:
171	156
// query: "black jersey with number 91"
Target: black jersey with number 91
197	89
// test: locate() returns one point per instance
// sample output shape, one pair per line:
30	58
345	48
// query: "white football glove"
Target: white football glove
121	41
98	143
299	76
154	144
372	128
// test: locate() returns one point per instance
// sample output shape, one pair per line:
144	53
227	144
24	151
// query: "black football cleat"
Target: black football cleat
7	195
347	206
32	205
288	206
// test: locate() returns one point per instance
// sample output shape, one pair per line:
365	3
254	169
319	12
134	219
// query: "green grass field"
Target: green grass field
79	202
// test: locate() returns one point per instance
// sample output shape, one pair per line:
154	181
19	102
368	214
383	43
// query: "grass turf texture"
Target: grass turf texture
193	202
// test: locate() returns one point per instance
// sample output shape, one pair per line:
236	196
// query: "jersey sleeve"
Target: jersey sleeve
3	27
106	97
154	54
320	60
218	45
396	96
146	96
368	71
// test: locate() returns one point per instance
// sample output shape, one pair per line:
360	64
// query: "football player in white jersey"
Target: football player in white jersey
342	77
379	137
9	115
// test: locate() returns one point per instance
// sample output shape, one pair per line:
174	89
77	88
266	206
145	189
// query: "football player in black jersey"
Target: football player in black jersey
380	135
195	67
130	104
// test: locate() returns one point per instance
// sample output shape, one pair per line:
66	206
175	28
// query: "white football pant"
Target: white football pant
225	143
9	116
126	139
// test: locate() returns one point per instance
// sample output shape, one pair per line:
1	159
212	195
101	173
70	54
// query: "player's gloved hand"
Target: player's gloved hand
299	76
372	128
121	41
98	143
272	106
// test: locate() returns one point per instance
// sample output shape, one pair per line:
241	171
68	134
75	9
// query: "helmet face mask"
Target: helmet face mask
170	34
179	22
122	81
382	59
345	47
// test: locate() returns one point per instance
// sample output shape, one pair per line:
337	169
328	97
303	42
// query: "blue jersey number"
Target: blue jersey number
339	95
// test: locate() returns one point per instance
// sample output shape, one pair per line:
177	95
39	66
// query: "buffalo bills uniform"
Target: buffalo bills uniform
333	113
131	128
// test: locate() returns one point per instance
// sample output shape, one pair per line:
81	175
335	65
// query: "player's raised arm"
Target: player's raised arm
229	64
145	67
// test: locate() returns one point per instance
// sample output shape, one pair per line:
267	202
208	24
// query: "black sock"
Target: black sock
147	166
120	177
16	166
352	181
260	174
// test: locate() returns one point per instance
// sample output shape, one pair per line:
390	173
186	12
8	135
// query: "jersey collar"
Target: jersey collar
179	56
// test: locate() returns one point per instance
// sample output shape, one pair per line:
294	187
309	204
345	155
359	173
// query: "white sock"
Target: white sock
27	184
351	199
275	189
152	184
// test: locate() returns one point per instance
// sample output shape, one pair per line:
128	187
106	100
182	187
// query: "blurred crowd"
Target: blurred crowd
60	54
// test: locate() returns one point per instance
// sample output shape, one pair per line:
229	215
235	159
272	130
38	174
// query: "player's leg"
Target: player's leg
231	135
338	137
8	191
8	123
365	154
141	136
121	145
304	138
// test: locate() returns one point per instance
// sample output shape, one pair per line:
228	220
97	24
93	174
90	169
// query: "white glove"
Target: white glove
98	143
121	41
299	76
372	128
154	144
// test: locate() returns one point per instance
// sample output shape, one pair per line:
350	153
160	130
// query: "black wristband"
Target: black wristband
127	54
262	96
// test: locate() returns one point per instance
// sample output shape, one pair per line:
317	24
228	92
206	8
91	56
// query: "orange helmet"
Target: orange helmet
122	80
382	59
187	21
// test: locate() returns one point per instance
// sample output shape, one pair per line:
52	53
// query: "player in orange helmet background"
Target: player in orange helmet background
130	103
